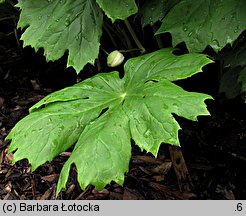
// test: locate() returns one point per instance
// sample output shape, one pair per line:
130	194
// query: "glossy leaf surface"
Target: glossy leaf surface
102	114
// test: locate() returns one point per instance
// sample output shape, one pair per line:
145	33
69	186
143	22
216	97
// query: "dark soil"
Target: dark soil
214	147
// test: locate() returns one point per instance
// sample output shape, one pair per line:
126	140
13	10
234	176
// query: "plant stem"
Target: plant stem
125	37
104	50
110	35
6	18
134	36
180	168
130	50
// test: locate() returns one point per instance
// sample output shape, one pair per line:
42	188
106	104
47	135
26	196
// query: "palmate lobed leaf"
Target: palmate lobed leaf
235	56
205	22
233	80
69	25
103	113
60	25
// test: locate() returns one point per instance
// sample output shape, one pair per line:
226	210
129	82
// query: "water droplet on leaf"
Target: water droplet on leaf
147	133
233	15
175	106
165	106
215	44
61	128
67	22
228	39
236	29
77	37
185	28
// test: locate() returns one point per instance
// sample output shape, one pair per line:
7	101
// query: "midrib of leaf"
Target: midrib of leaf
130	79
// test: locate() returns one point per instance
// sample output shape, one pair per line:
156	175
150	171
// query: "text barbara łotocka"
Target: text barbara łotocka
44	207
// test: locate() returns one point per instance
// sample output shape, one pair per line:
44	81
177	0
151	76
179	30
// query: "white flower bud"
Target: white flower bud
115	58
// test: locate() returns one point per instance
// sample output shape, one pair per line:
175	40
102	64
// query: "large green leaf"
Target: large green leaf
205	22
58	25
155	10
118	9
233	80
103	113
234	56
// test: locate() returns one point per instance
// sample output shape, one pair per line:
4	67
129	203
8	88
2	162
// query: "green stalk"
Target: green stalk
134	36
